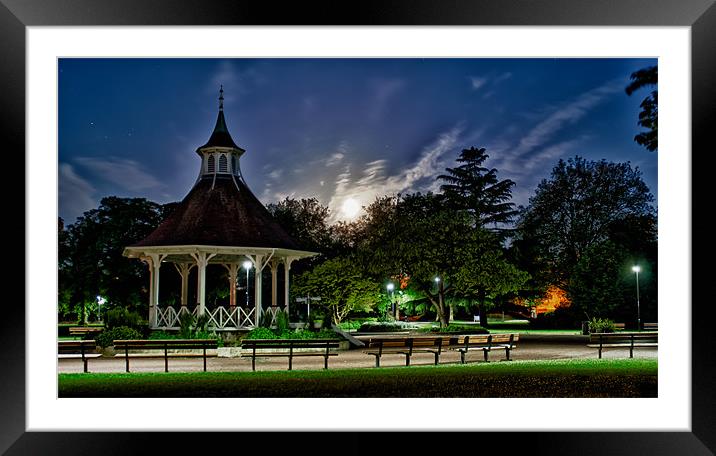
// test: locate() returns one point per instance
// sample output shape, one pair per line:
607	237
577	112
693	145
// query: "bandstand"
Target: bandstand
219	222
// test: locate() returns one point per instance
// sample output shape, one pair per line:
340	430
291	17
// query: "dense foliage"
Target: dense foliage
108	336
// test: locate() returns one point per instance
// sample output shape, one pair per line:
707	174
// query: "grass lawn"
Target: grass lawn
553	378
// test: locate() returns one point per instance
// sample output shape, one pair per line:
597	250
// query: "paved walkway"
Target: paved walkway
350	359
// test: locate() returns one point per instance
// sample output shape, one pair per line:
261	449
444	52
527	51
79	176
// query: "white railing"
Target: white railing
220	318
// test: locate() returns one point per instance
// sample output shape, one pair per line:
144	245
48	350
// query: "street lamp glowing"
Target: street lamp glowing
638	311
390	287
437	279
247	265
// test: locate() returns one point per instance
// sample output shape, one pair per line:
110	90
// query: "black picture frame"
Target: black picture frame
699	15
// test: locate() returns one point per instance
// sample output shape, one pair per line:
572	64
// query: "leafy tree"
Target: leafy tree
421	237
584	229
306	220
342	285
90	254
579	206
648	117
472	187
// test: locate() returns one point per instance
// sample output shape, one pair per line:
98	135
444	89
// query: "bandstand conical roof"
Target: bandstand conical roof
220	210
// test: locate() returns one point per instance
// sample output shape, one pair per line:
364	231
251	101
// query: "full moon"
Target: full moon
350	207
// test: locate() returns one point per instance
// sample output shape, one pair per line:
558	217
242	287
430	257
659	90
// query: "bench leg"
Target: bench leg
325	363
377	360
631	352
600	352
484	353
253	363
507	354
166	360
84	360
126	359
290	362
437	358
407	360
204	359
462	357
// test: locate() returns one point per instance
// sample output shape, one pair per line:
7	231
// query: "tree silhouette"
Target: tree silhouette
475	188
648	117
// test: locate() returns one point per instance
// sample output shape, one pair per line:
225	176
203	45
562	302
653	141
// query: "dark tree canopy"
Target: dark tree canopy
649	115
579	205
306	220
475	188
90	253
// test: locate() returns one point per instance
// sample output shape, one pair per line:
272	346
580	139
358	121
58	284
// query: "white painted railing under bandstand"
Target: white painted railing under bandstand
220	318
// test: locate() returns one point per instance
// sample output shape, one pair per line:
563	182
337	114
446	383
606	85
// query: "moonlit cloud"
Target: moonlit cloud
126	174
76	195
567	114
372	181
476	83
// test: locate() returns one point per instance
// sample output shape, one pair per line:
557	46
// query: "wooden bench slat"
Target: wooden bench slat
255	348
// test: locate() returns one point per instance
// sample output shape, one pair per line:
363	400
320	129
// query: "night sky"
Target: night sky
341	130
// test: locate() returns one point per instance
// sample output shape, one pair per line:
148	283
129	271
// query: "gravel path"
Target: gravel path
350	359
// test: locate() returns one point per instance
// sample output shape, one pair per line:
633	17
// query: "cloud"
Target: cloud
476	83
372	180
74	194
334	159
384	90
275	174
569	113
126	174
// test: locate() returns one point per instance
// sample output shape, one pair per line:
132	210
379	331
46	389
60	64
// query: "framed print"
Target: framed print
42	38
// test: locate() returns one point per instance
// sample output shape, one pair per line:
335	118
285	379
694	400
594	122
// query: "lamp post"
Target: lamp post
100	301
638	313
390	288
247	266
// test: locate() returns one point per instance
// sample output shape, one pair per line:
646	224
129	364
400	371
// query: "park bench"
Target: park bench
651	326
485	342
256	348
84	330
623	340
77	349
165	345
619	326
407	346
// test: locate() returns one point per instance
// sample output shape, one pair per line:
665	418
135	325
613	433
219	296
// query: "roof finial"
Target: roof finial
221	98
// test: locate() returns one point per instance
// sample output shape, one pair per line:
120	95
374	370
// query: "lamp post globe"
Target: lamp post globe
390	288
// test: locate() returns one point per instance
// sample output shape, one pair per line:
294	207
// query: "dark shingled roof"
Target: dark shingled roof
220	137
223	216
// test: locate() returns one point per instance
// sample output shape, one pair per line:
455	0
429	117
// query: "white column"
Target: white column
202	260
274	283
233	269
258	259
183	270
155	263
287	267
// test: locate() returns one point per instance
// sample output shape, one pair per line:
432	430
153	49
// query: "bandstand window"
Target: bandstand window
223	164
211	164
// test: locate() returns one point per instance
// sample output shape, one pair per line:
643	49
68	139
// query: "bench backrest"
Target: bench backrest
652	326
623	337
165	343
85	329
487	339
290	343
75	346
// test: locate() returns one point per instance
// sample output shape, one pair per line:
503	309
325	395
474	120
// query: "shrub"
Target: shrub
163	335
106	337
601	325
260	333
453	328
186	324
281	321
386	326
121	316
349	325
